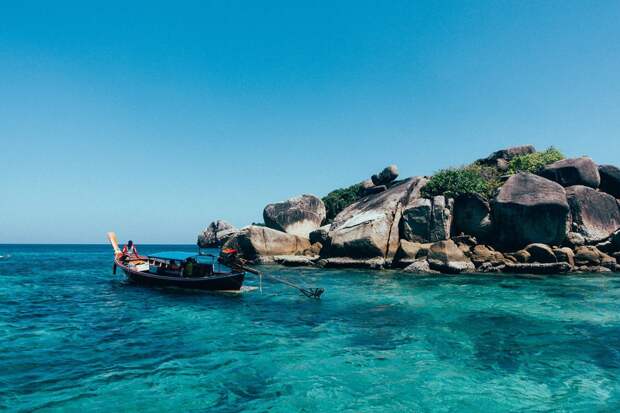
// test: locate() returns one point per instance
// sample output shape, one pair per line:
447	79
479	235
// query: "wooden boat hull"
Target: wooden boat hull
215	282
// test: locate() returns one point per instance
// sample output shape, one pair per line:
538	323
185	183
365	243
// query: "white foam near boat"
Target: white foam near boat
244	289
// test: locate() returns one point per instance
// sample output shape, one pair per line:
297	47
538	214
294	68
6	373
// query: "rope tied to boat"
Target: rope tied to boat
229	257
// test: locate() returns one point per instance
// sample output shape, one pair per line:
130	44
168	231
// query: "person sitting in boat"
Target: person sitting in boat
188	268
129	250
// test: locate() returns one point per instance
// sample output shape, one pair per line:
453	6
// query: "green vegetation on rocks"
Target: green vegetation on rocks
535	162
484	180
339	199
452	182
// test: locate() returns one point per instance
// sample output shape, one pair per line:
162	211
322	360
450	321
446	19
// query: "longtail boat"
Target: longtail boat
177	269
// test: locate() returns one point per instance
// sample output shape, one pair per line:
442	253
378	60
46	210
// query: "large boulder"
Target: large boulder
446	257
426	220
573	240
541	253
216	234
576	171
320	234
501	157
408	252
610	179
589	255
442	218
416	220
298	216
595	214
481	254
369	228
521	256
472	215
420	266
386	176
253	242
564	254
530	209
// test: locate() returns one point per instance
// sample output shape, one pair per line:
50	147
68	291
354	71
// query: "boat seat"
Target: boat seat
204	270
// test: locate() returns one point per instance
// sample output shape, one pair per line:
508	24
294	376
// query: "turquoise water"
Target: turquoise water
73	337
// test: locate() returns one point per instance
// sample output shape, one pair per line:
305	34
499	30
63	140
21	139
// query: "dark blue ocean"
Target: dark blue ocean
75	338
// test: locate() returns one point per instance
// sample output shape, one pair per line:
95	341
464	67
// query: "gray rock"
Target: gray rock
387	175
446	257
416	220
465	239
574	239
541	253
589	255
610	180
420	266
216	234
538	268
375	190
500	157
320	234
530	209
597	269
484	254
314	250
298	216
253	242
407	253
442	218
576	171
295	260
565	254
521	256
369	228
615	241
425	220
595	214
376	263
472	215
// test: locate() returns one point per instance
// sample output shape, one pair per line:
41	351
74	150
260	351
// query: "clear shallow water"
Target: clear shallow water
73	337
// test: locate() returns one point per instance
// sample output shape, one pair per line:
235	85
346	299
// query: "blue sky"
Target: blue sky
152	119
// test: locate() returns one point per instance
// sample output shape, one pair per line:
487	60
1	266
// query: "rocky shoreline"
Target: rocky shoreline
559	217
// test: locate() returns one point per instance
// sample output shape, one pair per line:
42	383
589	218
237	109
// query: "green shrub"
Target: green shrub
339	199
535	162
452	182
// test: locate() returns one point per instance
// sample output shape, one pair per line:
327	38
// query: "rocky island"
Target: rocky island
515	211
